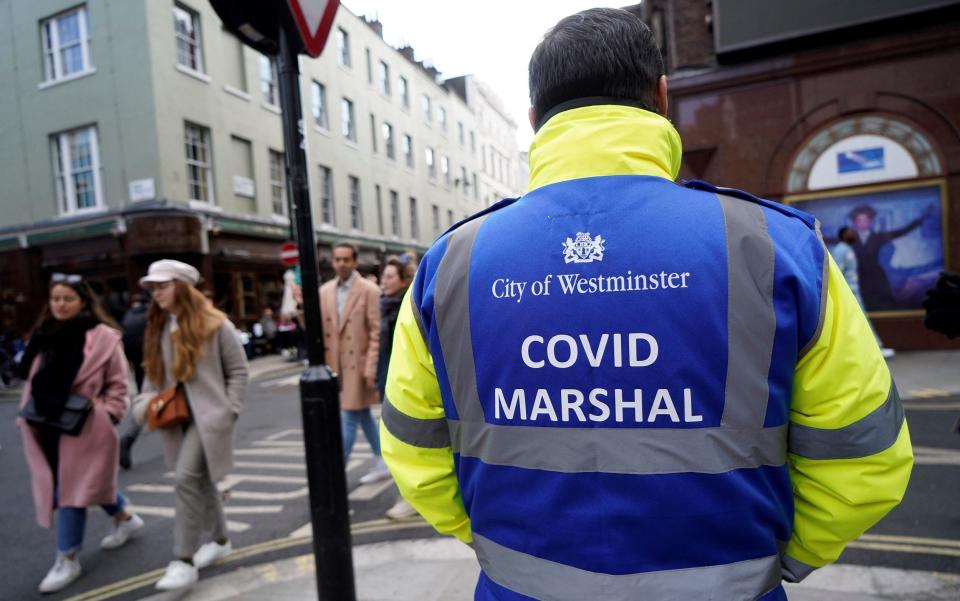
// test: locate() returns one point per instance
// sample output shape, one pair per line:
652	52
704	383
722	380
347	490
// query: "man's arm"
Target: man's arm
414	436
849	448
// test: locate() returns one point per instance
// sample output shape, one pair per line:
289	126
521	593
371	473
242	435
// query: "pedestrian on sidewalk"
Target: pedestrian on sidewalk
394	281
619	386
350	307
74	352
189	342
134	323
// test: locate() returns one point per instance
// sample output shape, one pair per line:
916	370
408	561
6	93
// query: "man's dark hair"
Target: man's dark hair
352	247
842	232
596	52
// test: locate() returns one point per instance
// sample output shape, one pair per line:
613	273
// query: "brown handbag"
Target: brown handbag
168	409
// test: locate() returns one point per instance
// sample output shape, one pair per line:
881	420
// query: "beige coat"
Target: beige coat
353	345
215	393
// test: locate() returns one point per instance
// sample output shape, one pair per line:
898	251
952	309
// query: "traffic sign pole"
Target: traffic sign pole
319	390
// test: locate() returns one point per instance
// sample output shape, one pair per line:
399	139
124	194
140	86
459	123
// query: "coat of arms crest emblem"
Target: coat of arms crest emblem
583	249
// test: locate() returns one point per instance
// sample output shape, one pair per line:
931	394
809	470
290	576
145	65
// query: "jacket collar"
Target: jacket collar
584	139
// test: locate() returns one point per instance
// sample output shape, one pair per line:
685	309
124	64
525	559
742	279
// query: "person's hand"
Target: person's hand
297	294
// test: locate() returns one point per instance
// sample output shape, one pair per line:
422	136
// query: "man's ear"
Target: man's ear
662	95
533	119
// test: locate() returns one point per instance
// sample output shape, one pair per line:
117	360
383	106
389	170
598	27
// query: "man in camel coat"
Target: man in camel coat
350	306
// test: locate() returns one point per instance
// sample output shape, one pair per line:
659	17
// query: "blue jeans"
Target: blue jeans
349	420
72	521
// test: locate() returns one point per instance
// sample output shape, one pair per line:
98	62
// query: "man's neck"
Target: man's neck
342	281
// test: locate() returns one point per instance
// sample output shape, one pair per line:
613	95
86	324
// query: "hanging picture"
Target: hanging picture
897	236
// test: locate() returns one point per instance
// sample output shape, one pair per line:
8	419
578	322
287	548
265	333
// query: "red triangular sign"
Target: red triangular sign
314	19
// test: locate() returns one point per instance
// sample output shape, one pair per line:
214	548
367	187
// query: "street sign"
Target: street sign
284	30
314	18
289	255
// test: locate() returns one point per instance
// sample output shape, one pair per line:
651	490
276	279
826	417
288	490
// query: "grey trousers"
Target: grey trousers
198	508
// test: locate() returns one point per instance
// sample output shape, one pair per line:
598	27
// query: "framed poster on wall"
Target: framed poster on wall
900	238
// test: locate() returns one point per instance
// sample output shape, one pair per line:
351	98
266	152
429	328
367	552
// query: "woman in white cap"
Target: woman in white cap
189	342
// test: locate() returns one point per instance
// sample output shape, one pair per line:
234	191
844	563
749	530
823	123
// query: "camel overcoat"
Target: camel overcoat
215	394
88	462
353	345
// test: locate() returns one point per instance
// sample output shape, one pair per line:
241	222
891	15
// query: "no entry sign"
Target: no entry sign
289	255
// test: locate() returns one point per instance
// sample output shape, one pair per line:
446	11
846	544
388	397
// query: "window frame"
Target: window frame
404	92
270	88
348	121
278	186
383	72
414	219
430	158
206	140
51	49
328	209
445	169
426	106
408	150
395	227
197	43
343	48
64	174
389	145
356	206
319	107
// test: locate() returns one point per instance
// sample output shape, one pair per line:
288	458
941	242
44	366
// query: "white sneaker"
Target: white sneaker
400	510
122	531
63	572
179	574
378	473
211	552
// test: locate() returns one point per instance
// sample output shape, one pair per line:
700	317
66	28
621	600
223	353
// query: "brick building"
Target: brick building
850	111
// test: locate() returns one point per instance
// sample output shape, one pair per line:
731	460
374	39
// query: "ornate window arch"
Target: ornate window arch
886	148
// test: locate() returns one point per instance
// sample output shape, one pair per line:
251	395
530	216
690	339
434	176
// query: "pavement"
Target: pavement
442	569
446	570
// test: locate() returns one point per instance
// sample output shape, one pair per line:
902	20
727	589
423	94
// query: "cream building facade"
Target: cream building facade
142	128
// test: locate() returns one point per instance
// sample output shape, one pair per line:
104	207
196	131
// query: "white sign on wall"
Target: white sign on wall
861	159
244	186
142	189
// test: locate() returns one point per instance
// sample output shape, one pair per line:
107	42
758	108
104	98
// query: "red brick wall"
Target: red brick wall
741	125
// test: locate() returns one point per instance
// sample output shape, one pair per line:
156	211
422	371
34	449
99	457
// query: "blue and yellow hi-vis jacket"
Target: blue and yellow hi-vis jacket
617	387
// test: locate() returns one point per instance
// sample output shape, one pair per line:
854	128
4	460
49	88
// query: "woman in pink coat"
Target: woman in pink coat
75	349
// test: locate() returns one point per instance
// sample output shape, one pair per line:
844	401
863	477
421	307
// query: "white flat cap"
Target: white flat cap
166	270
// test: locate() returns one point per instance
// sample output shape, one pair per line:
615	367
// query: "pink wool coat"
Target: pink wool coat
353	345
88	461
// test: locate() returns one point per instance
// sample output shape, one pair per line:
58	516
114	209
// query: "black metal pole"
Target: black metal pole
319	392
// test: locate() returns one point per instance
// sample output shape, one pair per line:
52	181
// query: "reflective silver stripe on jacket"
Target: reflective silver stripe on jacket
823	297
620	451
751	322
551	581
418	432
453	319
875	432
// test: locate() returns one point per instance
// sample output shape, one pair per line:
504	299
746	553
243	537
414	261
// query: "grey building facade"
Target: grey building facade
135	130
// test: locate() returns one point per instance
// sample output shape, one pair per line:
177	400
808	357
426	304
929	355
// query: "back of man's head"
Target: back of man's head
597	52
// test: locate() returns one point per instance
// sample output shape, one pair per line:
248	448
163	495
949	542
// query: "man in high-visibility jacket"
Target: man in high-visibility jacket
618	387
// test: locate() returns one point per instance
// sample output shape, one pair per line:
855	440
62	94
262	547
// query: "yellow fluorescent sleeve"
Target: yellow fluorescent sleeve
425	476
837	500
